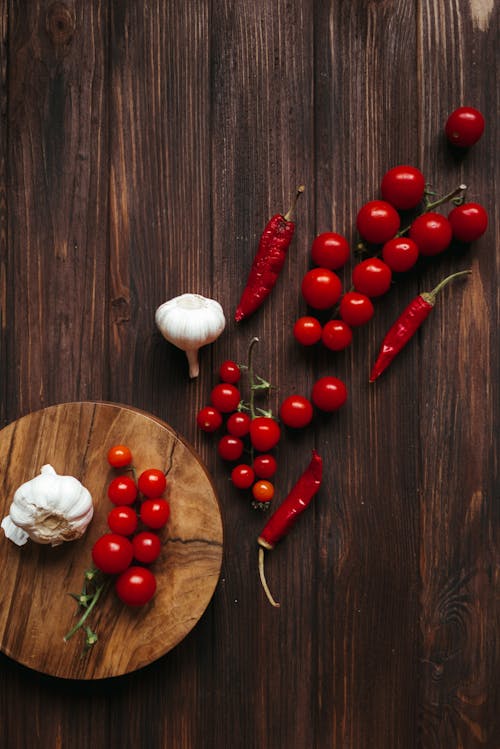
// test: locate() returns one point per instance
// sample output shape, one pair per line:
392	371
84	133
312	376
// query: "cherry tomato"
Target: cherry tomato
377	221
238	424
372	277
122	520
263	491
403	187
209	419
122	490
400	254
229	372
321	288
464	126
155	513
330	250
136	586
329	393
225	397
152	483
119	456
307	331
242	476
147	547
230	448
431	232
296	411
112	553
468	222
336	335
265	466
356	309
265	433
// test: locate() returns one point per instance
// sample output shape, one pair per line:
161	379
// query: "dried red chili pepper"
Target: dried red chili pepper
268	262
285	517
407	325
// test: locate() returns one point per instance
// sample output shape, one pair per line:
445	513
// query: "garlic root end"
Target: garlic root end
194	367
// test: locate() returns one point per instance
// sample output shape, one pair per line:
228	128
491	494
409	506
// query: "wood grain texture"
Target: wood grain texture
197	121
36	610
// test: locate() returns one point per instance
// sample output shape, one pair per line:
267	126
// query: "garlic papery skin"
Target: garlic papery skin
49	509
190	321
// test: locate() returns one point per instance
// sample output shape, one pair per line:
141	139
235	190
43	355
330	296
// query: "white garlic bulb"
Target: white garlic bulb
49	509
190	321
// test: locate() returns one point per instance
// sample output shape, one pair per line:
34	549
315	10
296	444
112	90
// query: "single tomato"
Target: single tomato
464	127
242	476
377	221
400	254
238	424
136	586
372	277
152	483
263	491
329	393
403	187
265	466
119	456
265	433
356	309
336	335
225	397
431	232
229	372
147	547
122	490
321	288
155	513
468	222
296	411
230	448
330	250
209	419
122	520
112	553
307	330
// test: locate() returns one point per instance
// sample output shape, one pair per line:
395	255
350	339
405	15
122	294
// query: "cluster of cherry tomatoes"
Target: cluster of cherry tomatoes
246	431
127	548
378	222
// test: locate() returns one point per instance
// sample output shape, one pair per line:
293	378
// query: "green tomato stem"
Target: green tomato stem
97	594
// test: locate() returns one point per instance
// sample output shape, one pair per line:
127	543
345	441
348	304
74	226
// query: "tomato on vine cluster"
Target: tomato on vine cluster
137	502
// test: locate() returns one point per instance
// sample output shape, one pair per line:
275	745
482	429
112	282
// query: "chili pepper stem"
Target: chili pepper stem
430	296
263	579
289	214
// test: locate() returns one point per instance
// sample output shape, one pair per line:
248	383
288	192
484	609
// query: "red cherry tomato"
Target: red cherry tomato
265	433
336	335
209	419
329	394
403	187
122	490
431	232
296	411
468	222
400	254
307	331
377	221
225	397
155	513
265	466
136	586
330	250
229	372
464	126
230	448
321	288
147	547
152	483
372	277
355	308
119	456
122	520
238	424
112	553
242	476
263	491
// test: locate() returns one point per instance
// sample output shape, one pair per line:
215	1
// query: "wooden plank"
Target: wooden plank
458	397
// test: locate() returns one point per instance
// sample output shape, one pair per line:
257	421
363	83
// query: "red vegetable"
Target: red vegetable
268	262
285	517
407	325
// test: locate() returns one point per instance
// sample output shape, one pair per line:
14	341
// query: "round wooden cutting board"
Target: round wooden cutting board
35	608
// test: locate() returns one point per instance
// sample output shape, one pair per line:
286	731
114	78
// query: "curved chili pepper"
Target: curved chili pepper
407	325
287	514
268	262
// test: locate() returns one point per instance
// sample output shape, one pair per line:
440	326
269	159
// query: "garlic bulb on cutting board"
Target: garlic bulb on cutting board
49	509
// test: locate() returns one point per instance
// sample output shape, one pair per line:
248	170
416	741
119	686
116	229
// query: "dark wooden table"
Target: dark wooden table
143	147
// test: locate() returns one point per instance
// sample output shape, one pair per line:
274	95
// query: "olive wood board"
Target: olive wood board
36	610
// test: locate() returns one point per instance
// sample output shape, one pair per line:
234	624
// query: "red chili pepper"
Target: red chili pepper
407	325
268	262
285	517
